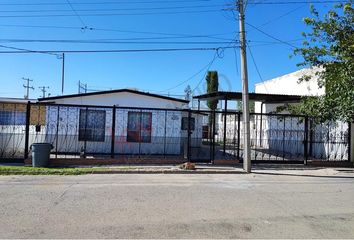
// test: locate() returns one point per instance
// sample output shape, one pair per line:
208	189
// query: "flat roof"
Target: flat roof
114	91
15	100
259	97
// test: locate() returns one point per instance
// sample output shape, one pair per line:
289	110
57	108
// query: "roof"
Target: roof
298	73
15	100
260	97
114	91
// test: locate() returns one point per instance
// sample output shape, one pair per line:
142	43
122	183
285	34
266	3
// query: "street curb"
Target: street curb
168	172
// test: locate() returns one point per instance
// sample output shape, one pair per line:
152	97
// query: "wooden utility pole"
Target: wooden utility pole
245	98
43	89
27	86
62	74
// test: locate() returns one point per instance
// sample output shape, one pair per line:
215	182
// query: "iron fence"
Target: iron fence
78	131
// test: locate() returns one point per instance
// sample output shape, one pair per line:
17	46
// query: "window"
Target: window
12	118
92	125
185	123
139	127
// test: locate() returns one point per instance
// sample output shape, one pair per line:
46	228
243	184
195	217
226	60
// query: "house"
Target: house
327	140
12	122
122	121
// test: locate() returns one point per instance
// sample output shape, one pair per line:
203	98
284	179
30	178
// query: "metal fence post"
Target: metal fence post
350	143
28	117
306	140
140	122
164	140
238	134
225	118
113	131
189	136
214	130
57	132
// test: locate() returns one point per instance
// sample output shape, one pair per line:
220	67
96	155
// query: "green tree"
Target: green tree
329	49
212	80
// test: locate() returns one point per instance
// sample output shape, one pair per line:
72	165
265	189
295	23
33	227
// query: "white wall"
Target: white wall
123	99
166	134
288	85
294	134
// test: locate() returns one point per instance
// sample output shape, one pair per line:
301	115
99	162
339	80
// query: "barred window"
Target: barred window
139	127
92	125
12	118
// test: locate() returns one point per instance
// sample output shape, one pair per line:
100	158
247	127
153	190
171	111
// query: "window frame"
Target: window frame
8	118
87	133
135	135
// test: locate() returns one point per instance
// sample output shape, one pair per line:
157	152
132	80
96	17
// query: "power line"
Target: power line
78	16
177	35
104	2
256	67
277	39
206	72
26	50
103	41
293	2
110	14
121	50
191	77
108	9
283	15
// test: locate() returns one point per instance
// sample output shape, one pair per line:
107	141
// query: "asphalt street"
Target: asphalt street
177	206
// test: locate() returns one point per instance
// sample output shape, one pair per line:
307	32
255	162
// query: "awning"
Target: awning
259	97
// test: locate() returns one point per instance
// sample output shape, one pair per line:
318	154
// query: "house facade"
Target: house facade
133	122
328	140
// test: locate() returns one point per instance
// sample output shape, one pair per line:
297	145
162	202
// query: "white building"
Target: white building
327	140
145	123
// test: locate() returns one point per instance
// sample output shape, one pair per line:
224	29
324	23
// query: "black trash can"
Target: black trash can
40	154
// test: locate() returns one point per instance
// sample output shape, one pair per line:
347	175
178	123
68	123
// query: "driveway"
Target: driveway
262	205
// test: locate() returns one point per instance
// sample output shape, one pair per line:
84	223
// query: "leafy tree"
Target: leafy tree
329	50
212	80
212	86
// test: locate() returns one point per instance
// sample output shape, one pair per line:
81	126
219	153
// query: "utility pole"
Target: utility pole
27	86
245	98
62	74
43	89
82	87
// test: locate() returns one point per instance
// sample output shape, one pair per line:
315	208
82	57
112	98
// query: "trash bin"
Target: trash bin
40	154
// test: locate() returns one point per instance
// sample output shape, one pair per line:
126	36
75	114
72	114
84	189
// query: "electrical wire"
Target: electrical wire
76	14
107	9
177	35
109	41
191	77
109	14
103	2
270	36
120	50
292	2
27	50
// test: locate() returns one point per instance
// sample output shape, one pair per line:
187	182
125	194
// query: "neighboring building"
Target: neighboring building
12	122
328	140
288	85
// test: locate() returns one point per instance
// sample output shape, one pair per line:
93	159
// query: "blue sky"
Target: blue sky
157	72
